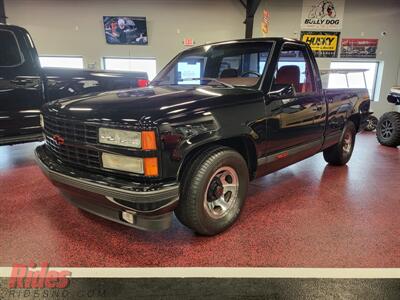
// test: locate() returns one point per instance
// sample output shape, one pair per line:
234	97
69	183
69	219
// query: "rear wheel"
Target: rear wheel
340	153
388	129
213	191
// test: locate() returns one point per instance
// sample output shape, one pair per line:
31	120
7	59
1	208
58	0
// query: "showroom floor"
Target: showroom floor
307	215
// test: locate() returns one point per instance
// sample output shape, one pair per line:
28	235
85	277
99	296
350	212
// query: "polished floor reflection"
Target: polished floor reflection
307	215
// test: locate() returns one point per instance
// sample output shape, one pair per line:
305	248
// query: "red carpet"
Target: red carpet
308	215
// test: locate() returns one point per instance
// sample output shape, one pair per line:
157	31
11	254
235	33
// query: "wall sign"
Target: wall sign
265	22
188	42
359	48
322	43
322	14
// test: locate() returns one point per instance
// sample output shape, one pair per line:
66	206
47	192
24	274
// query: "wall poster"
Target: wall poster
265	22
125	30
358	48
322	14
322	43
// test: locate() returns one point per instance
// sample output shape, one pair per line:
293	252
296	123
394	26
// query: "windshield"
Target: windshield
229	64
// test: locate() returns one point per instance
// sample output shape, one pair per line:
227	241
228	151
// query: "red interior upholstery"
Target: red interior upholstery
289	75
307	86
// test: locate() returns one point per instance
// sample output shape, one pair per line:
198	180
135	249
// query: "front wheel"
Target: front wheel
340	154
213	191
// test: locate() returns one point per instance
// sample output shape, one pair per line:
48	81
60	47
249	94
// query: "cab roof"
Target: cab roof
277	40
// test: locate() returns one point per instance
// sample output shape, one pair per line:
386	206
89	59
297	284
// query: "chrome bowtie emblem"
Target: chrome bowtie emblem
58	139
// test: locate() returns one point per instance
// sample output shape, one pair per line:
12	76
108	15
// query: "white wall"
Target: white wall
75	27
72	27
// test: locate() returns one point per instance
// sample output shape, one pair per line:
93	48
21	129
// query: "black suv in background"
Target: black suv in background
25	86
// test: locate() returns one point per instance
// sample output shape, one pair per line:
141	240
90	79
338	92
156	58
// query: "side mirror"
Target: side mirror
280	91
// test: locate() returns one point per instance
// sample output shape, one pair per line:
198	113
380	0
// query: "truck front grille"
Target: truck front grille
70	141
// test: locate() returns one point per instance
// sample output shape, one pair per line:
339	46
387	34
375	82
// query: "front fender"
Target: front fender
197	130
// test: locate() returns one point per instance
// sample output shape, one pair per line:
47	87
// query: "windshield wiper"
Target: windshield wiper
208	79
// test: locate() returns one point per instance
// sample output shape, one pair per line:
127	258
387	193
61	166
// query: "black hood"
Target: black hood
151	104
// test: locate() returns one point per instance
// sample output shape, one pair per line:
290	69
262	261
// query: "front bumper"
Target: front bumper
143	206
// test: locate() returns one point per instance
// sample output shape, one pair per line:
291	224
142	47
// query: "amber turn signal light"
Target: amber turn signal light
149	140
151	166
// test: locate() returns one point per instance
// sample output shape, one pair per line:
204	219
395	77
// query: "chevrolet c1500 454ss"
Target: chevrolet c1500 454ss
25	86
214	118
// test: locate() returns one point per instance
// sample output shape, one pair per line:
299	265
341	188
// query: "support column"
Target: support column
3	18
251	8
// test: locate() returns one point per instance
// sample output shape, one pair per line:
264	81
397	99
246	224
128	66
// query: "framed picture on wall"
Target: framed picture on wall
121	30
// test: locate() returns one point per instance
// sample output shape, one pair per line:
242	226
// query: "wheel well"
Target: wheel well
243	145
356	120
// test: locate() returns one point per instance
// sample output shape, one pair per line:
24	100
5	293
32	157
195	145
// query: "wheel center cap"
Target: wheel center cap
215	191
218	191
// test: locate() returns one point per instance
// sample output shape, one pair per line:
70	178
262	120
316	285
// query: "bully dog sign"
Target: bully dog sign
322	14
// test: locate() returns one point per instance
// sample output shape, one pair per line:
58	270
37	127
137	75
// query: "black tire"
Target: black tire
200	185
372	123
340	154
388	129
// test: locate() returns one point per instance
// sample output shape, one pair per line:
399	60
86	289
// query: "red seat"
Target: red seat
289	75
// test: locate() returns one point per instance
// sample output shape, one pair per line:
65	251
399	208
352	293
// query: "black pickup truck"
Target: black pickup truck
215	117
25	86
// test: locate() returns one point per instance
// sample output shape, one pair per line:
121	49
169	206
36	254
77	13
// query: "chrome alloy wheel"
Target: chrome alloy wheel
221	193
347	142
387	129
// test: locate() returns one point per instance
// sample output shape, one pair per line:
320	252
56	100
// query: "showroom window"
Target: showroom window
10	54
355	80
73	62
191	69
147	65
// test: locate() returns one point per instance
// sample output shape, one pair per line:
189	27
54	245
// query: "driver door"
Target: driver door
292	106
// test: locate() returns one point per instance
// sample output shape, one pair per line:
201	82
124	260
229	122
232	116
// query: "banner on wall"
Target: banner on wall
322	43
265	22
322	14
359	48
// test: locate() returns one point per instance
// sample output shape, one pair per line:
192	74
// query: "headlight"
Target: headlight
41	121
123	163
120	137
